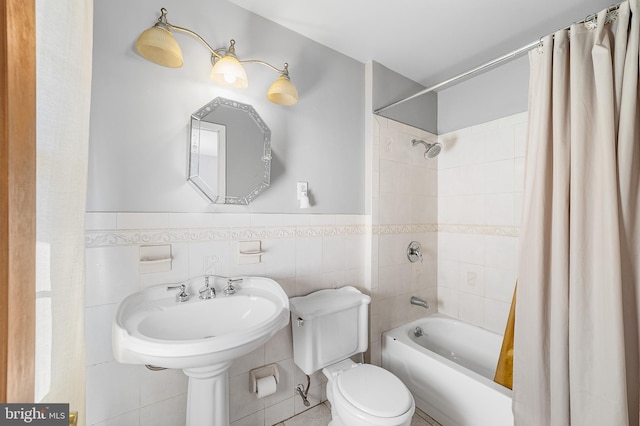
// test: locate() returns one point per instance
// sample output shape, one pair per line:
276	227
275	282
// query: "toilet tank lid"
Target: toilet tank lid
325	302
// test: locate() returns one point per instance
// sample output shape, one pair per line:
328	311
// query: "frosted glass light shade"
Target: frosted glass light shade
158	46
229	72
283	92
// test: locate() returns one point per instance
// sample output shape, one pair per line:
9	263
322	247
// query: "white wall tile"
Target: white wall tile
392	249
495	315
499	144
450	209
248	362
98	221
230	220
244	402
450	182
499	176
111	274
171	412
308	256
518	175
264	219
143	220
471	308
333	253
449	246
308	284
279	258
471	279
278	412
471	248
115	390
156	386
471	210
448	301
255	419
480	179
448	273
500	252
210	258
98	320
190	220
499	284
129	419
499	209
472	180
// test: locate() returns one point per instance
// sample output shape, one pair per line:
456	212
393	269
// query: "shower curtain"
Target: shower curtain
576	358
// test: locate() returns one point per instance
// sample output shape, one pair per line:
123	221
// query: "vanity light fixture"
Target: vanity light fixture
158	45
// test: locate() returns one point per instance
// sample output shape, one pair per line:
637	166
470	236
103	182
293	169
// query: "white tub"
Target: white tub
450	370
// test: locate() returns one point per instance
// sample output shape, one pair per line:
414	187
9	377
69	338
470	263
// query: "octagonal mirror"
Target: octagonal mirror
230	152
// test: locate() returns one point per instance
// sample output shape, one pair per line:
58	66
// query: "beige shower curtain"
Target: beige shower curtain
576	358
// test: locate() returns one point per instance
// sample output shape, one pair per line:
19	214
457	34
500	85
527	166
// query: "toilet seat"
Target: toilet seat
373	391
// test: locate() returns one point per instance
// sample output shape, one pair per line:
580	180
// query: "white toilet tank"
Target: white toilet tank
328	326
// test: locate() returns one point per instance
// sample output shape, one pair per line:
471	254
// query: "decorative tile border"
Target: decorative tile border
136	237
106	238
502	231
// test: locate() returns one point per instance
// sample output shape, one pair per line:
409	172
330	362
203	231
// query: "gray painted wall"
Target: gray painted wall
389	86
497	93
140	111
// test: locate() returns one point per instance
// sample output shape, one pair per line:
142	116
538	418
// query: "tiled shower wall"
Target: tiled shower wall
480	184
404	209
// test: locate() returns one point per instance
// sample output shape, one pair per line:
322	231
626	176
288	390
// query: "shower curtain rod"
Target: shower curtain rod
486	65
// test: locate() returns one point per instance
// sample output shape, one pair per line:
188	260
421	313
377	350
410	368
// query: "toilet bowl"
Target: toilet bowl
367	395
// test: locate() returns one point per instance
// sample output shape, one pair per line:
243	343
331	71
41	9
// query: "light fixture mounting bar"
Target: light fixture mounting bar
213	51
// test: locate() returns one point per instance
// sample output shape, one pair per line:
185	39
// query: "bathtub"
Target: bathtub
449	370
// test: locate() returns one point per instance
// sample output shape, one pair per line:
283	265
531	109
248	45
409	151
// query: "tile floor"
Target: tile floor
320	415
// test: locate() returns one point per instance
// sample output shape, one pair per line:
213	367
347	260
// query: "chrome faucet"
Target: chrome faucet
230	288
208	291
182	295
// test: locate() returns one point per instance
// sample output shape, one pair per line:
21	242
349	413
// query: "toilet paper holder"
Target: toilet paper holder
260	373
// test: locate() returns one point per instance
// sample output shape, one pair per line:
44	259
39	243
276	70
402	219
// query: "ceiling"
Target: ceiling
426	40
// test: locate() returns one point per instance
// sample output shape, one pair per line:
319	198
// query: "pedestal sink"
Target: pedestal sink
201	337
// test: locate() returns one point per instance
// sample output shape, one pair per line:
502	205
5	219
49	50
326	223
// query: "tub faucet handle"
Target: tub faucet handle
414	252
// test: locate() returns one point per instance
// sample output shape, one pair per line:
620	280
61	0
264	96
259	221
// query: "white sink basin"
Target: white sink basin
152	328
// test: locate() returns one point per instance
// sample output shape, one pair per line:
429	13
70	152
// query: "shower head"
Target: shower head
433	149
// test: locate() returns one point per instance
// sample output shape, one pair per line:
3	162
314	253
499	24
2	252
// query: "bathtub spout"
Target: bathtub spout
419	302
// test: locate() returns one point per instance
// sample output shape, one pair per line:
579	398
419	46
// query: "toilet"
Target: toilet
330	326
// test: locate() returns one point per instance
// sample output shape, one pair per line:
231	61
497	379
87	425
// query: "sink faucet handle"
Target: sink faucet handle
182	295
230	288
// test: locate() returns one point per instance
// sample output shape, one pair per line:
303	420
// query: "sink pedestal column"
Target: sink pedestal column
208	395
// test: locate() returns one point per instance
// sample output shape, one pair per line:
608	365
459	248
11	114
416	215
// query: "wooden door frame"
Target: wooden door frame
17	199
